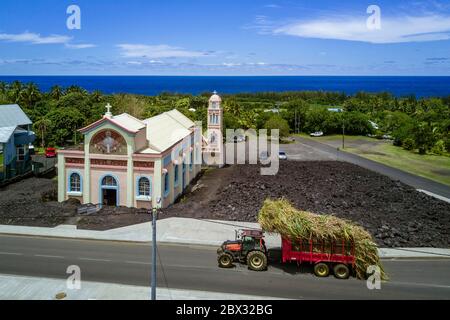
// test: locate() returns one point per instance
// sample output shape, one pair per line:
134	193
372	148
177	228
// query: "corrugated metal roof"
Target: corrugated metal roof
5	133
163	131
129	122
181	118
12	115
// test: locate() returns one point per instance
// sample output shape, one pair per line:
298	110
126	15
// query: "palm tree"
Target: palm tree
30	95
96	96
75	89
3	87
14	91
42	125
56	92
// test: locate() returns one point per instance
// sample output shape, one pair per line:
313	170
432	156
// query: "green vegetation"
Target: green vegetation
415	124
433	166
281	217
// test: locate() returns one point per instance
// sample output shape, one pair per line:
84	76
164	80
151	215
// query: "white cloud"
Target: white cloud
157	51
34	38
393	29
80	46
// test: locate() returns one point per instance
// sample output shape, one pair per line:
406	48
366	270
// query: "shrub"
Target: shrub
438	148
408	144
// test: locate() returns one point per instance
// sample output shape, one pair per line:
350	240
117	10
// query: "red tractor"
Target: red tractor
248	248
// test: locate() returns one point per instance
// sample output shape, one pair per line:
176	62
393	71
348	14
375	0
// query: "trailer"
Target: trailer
326	256
338	256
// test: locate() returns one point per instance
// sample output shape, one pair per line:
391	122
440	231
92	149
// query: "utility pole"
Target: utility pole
154	262
343	136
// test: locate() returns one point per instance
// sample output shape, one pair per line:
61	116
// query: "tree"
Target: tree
277	122
316	118
64	124
14	91
424	137
56	92
29	95
42	126
296	111
131	104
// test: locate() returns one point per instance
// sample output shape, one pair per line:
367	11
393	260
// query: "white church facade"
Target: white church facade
138	163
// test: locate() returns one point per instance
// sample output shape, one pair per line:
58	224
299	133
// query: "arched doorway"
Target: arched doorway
109	191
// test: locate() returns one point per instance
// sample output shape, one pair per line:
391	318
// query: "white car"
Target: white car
316	134
282	155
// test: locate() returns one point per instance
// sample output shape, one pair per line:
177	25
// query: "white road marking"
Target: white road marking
48	256
137	262
434	195
12	253
92	259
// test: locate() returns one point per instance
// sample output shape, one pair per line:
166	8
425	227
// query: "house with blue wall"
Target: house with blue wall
15	139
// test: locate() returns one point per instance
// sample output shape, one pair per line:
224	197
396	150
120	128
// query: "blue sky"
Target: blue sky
205	37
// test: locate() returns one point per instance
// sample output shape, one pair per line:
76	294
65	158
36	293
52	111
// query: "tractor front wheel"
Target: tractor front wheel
225	260
257	261
321	269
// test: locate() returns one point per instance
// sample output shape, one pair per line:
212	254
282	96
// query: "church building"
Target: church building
136	163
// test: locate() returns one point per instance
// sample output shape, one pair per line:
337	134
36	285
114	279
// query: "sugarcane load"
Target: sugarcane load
332	245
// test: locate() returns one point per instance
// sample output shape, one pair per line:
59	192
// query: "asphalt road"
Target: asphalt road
195	267
326	152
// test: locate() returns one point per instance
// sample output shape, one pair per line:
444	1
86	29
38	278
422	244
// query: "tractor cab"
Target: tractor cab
248	247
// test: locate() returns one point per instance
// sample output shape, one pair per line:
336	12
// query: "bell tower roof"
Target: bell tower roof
215	97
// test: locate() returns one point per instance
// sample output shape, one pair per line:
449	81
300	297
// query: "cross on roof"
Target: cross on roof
108	112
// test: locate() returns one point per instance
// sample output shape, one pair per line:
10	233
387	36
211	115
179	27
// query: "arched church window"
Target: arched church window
75	182
108	142
144	187
166	184
176	175
109	181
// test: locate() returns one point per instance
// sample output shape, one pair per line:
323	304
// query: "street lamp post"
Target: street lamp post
154	262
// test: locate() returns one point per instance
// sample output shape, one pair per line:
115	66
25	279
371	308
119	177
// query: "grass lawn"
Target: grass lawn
433	167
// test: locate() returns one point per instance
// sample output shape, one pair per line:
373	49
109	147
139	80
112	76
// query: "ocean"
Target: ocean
153	85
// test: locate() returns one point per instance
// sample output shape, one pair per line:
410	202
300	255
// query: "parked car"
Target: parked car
282	155
50	152
316	134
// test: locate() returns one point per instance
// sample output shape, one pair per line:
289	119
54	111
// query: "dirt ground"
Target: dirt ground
394	213
21	204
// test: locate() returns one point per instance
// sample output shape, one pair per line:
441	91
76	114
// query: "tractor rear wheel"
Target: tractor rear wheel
341	271
225	260
257	261
321	269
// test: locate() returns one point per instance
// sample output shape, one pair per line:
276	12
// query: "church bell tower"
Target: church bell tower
214	150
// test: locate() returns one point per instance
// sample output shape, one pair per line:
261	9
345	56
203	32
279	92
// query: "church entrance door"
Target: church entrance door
109	197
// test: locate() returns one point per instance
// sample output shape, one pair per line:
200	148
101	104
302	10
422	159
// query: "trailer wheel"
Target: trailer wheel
257	261
341	271
225	260
321	269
